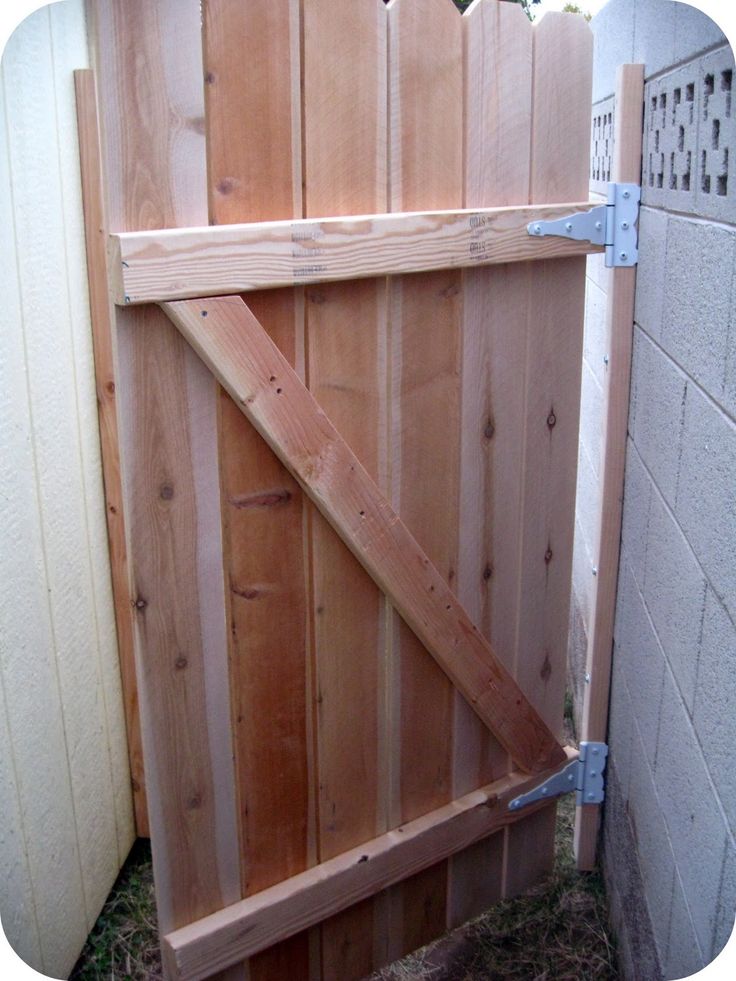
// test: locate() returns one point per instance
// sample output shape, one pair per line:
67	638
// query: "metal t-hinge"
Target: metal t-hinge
612	224
583	775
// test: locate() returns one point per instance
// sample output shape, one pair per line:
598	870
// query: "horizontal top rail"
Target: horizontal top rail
183	263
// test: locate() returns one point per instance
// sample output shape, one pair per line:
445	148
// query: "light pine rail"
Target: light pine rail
181	263
238	931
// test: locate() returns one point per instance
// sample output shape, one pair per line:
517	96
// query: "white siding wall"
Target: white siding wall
65	810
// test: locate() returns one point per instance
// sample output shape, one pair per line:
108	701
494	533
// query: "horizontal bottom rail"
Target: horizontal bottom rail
243	929
181	263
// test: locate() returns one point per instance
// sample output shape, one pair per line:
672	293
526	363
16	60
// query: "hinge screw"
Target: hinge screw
537	229
587	678
627	194
623	255
595	570
624	225
605	359
568	226
599	225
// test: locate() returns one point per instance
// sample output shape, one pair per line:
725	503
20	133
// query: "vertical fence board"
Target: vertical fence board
559	171
425	66
497	99
102	317
345	172
252	85
149	75
626	167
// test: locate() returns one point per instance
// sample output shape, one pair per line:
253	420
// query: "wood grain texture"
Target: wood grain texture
426	152
619	333
497	98
344	97
223	938
182	263
148	61
251	72
559	165
102	316
240	354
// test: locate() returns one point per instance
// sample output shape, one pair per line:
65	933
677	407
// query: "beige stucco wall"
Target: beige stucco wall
65	810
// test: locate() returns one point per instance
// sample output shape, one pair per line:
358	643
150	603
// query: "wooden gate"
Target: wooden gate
312	677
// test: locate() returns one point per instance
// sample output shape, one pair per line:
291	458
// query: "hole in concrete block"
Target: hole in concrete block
726	80
656	141
722	179
673	175
716	133
690	92
681	139
686	175
660	173
709	84
704	177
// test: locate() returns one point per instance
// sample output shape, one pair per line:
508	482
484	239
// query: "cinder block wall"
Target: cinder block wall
669	853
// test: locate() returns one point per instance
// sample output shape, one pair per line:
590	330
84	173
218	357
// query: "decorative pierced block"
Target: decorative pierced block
601	145
690	138
717	142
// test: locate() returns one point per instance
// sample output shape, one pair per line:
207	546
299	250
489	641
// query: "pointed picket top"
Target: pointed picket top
425	104
498	100
563	51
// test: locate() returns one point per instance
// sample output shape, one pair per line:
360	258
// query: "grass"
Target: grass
556	932
124	942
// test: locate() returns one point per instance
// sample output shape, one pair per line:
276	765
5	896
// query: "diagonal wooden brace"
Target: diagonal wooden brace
240	354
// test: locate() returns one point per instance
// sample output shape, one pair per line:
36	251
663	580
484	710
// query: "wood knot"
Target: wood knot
139	603
166	492
181	662
317	296
248	593
110	388
265	499
210	78
489	430
551	419
194	802
548	556
487	572
227	185
546	670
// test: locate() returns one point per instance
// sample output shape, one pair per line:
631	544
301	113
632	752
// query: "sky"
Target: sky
588	6
723	12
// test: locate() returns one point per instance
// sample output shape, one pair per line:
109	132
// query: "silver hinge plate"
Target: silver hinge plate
583	775
612	224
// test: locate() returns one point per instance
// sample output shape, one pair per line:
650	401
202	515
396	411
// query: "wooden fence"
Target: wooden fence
289	711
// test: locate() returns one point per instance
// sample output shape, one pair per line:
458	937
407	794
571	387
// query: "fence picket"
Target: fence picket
252	84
